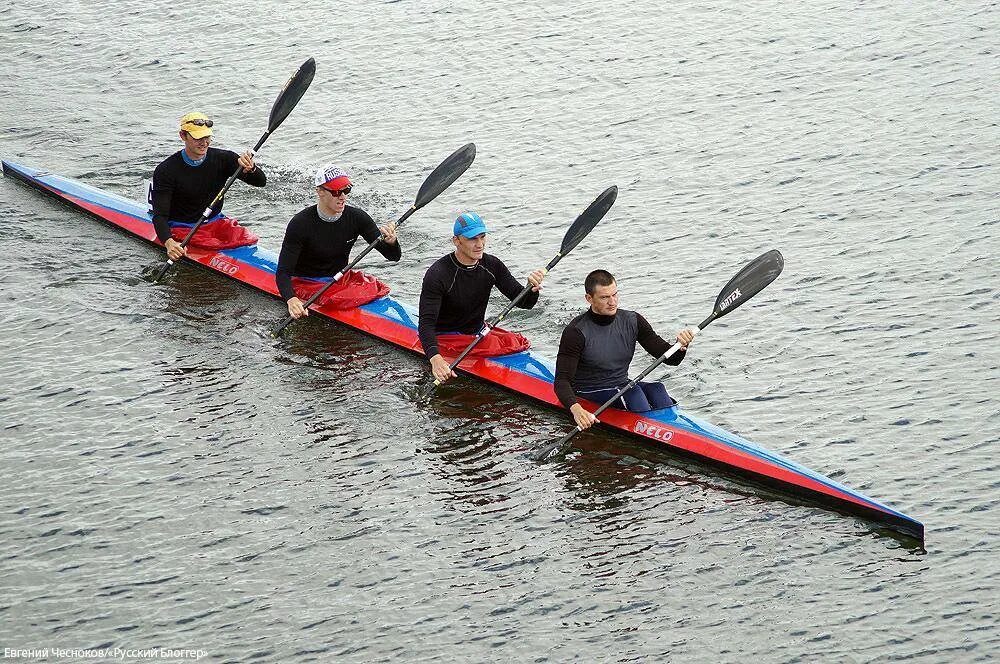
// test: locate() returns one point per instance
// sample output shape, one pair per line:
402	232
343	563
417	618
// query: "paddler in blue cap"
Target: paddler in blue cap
455	292
597	347
187	181
318	242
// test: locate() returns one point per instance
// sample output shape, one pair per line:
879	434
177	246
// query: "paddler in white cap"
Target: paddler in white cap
318	242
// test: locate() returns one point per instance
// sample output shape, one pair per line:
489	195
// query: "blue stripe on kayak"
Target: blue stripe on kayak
695	425
393	310
263	259
86	192
527	362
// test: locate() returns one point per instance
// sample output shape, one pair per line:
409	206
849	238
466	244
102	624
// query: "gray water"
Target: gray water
175	479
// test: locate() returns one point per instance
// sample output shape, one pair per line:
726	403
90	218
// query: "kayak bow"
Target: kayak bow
525	373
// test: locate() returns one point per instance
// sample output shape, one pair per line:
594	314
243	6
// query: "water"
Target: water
177	480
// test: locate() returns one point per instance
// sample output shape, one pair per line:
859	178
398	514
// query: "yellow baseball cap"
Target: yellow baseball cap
197	124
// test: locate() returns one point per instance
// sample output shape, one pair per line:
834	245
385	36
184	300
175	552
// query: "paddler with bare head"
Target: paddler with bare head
597	347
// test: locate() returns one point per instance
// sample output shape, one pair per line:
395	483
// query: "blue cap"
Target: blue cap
469	225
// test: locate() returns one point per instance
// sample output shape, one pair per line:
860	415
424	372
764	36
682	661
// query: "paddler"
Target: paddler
597	347
456	290
318	241
187	181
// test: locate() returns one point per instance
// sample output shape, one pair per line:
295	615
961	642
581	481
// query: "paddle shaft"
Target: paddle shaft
337	277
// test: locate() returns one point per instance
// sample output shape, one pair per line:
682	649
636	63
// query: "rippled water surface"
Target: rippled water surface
173	478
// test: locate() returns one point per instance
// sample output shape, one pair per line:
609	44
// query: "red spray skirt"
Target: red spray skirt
354	289
218	233
498	342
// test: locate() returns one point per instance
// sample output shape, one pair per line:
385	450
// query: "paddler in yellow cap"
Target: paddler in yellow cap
186	182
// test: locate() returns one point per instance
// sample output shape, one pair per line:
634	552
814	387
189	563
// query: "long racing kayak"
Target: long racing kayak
525	373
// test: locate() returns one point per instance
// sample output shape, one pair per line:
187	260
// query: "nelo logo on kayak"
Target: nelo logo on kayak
653	431
728	302
223	266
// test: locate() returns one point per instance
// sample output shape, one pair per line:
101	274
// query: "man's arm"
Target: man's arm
431	293
291	248
370	232
570	349
249	172
163	191
656	345
429	308
509	286
162	195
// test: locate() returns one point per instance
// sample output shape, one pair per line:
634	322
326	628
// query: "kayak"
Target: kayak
525	373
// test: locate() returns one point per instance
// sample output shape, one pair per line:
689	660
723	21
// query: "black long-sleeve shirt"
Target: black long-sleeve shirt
316	248
182	192
454	297
602	361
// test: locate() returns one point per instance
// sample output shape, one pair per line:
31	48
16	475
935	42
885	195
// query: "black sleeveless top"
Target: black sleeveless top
595	352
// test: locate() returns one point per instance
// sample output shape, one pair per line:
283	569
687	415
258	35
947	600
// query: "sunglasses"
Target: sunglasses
337	192
198	122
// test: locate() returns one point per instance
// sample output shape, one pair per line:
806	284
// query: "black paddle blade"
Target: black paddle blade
291	94
749	281
588	219
553	449
447	172
153	272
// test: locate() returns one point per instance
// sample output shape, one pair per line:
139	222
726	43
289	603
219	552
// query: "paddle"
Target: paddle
579	230
749	281
440	179
283	105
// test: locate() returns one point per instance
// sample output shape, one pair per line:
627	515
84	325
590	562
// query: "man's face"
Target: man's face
335	200
196	148
604	301
469	250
